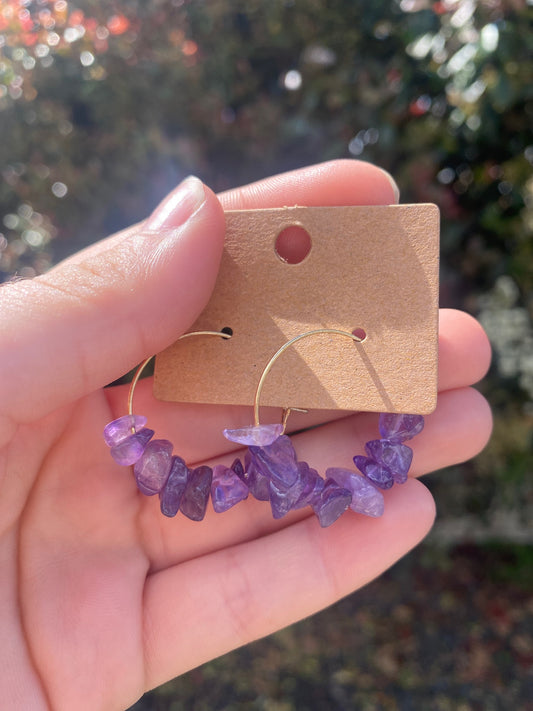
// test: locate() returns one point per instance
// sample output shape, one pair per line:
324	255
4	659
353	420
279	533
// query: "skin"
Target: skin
101	597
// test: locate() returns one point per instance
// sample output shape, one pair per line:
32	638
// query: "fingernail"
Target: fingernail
394	186
176	209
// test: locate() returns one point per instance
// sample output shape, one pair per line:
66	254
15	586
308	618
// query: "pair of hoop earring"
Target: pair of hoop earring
270	470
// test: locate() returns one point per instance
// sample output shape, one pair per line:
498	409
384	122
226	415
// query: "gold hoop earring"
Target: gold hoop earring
271	470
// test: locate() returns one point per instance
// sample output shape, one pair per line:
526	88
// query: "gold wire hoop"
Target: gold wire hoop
278	353
143	365
266	371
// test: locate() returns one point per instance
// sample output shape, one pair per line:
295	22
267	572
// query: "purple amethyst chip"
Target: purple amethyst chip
283	499
196	495
277	461
366	499
394	456
227	488
118	430
312	485
152	469
256	435
257	482
130	449
332	503
377	473
171	494
400	428
238	468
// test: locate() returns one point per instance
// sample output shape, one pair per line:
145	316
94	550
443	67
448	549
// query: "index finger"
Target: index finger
334	183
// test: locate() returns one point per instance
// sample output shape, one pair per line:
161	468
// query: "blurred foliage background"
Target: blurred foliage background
106	105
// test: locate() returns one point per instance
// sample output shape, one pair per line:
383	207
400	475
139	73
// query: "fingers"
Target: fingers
458	430
464	350
205	607
84	324
339	182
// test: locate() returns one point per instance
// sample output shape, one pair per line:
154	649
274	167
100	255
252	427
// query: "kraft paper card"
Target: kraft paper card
374	269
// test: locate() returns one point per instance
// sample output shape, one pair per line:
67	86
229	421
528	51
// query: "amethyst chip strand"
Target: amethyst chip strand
271	471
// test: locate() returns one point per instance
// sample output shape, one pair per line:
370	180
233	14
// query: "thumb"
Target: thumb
93	318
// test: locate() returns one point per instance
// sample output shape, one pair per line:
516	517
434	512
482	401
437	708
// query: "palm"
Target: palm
81	567
103	597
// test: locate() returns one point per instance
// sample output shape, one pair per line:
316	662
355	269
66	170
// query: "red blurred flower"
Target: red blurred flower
189	48
118	24
439	8
76	18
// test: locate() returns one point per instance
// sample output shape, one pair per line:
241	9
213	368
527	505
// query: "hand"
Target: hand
102	597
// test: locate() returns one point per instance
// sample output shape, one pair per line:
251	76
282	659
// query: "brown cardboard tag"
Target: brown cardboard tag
373	268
